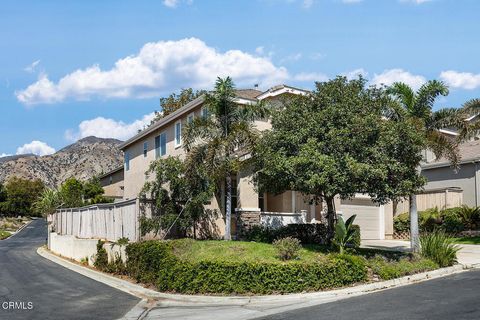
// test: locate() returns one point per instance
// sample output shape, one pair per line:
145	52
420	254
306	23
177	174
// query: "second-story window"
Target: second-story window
145	149
161	145
190	118
204	112
127	161
178	133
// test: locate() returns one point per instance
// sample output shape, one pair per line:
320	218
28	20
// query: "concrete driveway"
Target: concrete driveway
469	254
32	287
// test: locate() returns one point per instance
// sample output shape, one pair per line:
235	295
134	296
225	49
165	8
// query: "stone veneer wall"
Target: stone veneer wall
246	220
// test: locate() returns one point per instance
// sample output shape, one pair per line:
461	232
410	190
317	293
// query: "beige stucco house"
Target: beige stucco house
112	183
164	139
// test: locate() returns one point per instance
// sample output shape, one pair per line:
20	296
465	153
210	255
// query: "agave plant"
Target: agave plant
344	233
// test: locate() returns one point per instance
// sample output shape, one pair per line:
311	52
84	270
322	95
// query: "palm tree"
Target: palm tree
222	136
418	106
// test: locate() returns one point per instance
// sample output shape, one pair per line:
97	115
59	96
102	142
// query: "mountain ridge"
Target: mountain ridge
84	159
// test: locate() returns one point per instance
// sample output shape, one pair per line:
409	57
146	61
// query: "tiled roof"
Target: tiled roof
250	94
469	151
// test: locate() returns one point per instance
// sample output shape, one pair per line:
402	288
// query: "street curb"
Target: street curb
167	299
20	229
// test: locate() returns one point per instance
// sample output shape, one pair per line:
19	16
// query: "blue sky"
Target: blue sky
69	69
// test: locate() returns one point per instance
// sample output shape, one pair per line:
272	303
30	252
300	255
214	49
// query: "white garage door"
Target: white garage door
369	217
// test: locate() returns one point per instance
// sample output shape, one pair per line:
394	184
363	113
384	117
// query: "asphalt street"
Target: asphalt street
32	287
454	297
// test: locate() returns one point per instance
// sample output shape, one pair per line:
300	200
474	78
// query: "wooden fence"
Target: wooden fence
435	198
103	221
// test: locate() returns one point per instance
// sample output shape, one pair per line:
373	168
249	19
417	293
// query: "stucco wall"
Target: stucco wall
79	249
113	184
464	178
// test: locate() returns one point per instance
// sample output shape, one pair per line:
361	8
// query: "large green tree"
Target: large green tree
175	101
72	193
418	108
219	139
20	196
337	142
179	191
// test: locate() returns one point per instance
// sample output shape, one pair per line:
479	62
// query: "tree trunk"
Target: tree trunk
414	236
228	208
331	217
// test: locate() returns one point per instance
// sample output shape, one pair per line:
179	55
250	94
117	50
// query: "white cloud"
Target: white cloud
310	76
293	57
170	3
355	73
36	147
108	128
31	67
416	1
388	77
317	56
4	155
462	80
159	67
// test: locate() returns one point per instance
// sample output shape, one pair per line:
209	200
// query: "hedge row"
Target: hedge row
452	220
309	233
153	262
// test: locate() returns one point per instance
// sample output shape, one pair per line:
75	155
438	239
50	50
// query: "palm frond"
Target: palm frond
426	95
445	118
199	129
442	146
403	93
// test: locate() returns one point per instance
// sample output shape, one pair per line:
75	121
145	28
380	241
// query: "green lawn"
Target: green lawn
467	240
236	251
4	234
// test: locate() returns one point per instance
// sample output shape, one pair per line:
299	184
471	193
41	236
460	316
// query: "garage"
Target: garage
370	217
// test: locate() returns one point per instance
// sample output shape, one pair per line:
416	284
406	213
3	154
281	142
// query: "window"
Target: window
178	133
127	161
110	180
204	112
190	118
160	145
145	149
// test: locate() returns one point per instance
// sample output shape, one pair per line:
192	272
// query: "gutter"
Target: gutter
186	108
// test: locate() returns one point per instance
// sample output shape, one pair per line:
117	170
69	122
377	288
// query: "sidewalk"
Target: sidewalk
157	305
469	254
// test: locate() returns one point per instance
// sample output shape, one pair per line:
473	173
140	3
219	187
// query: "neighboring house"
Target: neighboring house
113	182
466	177
164	139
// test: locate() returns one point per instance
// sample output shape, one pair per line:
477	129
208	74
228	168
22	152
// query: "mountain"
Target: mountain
84	159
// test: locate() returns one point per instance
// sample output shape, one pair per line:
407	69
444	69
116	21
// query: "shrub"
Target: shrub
287	248
259	234
452	223
438	247
470	216
101	258
401	223
153	262
389	269
307	233
428	220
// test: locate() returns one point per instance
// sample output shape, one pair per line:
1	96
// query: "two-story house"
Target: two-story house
164	138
